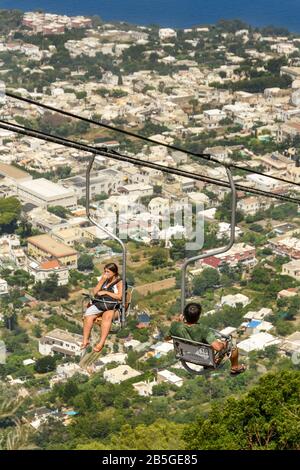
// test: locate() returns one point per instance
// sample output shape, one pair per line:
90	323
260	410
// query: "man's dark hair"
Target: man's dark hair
192	312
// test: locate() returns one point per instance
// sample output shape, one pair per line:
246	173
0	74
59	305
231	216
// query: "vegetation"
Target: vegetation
267	417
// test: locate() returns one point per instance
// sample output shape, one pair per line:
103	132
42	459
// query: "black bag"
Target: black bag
106	302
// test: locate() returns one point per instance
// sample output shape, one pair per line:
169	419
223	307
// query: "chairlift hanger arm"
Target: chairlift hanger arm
111	234
218	250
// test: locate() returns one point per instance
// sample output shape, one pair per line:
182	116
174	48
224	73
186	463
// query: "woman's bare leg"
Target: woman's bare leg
107	319
87	326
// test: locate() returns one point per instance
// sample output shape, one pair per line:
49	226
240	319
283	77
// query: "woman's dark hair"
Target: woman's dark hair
112	267
192	312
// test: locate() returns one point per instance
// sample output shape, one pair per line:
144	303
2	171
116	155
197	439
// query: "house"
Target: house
256	326
169	377
101	182
144	388
3	287
68	235
291	345
166	33
60	341
239	253
262	182
234	300
229	330
65	372
39	416
258	342
143	320
286	246
41	219
68	369
224	230
133	344
159	206
137	189
119	358
251	205
42	247
292	269
258	315
44	193
28	362
162	348
120	374
42	271
287	293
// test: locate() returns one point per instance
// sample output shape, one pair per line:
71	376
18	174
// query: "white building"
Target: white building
291	344
233	300
3	287
292	269
166	33
258	342
229	330
140	189
263	182
169	377
133	344
42	271
144	389
258	315
119	358
101	182
120	374
224	230
162	348
213	116
44	193
60	341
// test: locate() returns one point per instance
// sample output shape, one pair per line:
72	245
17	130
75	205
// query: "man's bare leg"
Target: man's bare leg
234	359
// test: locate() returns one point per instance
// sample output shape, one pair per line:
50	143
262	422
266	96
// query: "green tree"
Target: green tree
208	278
45	364
177	250
159	258
60	211
160	435
85	262
10	210
267	417
161	389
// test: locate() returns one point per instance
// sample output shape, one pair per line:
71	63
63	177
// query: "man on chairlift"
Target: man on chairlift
189	327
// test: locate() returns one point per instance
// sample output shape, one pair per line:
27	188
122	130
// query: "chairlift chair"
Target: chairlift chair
191	352
111	235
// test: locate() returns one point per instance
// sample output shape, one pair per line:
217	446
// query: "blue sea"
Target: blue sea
173	13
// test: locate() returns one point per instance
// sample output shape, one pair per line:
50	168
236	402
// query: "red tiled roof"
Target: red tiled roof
212	261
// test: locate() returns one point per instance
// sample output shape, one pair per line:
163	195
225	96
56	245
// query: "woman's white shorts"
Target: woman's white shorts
92	310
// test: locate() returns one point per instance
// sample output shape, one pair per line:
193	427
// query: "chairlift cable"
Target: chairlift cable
125	158
205	156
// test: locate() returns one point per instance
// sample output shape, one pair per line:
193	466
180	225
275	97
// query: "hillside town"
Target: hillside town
228	90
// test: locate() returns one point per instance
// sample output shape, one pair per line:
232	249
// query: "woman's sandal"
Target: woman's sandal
239	370
84	345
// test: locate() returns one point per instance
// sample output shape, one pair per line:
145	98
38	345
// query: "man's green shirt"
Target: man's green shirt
196	332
